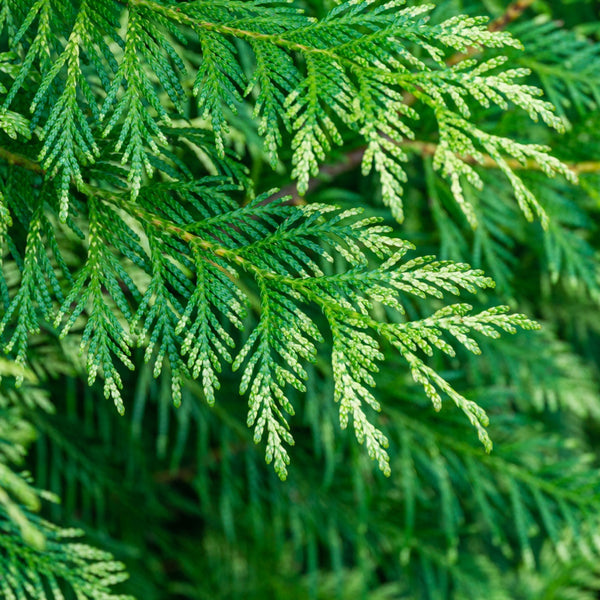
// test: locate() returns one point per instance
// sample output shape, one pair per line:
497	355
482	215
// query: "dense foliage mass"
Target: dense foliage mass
233	229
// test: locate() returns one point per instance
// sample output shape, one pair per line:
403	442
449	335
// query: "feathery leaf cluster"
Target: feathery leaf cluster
147	244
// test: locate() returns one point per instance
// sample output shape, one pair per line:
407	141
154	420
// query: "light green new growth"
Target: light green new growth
41	572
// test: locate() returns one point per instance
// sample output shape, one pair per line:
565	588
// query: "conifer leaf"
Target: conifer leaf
550	47
132	94
276	244
132	138
357	70
104	334
30	572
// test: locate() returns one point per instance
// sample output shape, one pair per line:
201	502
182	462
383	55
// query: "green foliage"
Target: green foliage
29	572
156	242
39	559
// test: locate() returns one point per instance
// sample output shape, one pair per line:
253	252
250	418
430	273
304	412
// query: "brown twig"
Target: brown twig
486	161
21	161
353	159
512	13
349	162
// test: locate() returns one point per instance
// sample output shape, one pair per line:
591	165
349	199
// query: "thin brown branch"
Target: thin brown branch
512	13
327	172
428	149
349	162
353	159
20	161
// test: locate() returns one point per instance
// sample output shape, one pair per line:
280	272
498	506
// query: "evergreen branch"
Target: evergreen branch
127	220
549	45
275	252
353	159
40	573
487	162
146	48
503	484
38	559
69	141
104	334
357	77
505	465
341	85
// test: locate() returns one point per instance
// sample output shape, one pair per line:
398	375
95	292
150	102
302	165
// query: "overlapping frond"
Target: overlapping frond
41	289
148	58
64	97
37	559
458	145
197	246
543	490
43	573
549	48
17	495
357	70
352	69
104	334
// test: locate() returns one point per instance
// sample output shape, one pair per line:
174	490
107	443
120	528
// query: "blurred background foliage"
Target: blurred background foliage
182	495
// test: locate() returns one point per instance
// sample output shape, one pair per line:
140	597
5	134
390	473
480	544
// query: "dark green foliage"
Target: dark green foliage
158	253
